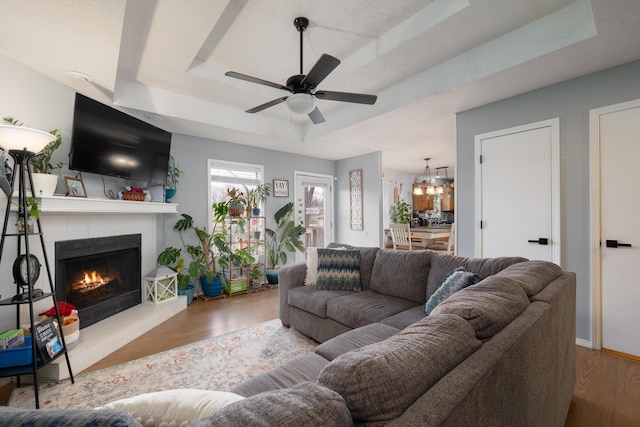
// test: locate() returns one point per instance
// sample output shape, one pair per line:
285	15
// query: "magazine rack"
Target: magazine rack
26	267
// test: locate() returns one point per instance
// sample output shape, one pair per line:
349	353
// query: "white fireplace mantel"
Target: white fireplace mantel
83	205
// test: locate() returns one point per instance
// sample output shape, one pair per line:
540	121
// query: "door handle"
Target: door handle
615	244
540	241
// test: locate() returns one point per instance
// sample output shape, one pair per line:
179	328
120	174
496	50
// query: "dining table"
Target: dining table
423	236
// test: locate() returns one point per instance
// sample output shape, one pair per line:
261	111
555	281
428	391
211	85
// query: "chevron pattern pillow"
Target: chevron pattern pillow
338	269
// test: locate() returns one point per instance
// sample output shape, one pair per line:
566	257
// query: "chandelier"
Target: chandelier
431	183
426	179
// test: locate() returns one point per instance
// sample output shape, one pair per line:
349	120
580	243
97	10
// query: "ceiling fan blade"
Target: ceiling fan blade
256	80
267	105
316	116
359	98
325	65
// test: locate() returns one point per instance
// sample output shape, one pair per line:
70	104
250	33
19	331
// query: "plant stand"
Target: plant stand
26	276
206	298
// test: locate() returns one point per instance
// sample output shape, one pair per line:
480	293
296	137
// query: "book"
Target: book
13	338
46	340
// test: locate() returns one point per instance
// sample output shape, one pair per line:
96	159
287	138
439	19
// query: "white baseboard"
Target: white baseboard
583	343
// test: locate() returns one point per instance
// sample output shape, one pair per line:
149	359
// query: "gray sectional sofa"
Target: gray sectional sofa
500	352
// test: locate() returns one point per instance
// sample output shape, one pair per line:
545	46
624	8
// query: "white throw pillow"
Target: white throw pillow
312	266
179	407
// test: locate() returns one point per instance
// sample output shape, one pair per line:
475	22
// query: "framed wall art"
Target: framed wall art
280	188
355	200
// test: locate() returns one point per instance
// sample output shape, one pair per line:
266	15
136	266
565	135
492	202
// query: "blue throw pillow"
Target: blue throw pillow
338	269
456	280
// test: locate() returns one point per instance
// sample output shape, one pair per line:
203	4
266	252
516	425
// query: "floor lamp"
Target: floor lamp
22	145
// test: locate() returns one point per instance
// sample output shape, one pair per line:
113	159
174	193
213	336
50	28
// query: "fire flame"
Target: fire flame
93	278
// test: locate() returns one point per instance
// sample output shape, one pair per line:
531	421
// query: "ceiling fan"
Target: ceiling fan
303	87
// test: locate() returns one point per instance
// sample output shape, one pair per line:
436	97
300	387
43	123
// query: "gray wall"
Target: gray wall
571	102
191	154
371	234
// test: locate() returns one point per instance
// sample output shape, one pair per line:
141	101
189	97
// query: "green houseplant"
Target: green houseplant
236	203
401	212
285	238
174	173
258	195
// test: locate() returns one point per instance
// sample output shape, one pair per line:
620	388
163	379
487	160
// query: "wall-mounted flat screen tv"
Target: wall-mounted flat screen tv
109	142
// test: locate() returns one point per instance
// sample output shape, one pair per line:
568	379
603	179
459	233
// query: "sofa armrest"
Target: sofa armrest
289	276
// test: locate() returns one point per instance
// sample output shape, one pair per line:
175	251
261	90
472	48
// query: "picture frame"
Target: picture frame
280	188
75	187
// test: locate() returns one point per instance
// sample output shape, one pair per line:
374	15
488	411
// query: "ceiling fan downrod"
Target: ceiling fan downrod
301	23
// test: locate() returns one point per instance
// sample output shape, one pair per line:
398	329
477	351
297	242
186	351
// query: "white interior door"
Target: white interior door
314	208
517	192
619	128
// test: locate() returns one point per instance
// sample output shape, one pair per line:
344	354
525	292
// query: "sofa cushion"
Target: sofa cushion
311	257
311	300
367	258
359	309
401	274
297	370
405	318
173	407
488	306
304	404
455	281
442	264
379	381
532	276
355	338
338	269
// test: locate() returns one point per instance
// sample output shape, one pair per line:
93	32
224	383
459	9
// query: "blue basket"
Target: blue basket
17	356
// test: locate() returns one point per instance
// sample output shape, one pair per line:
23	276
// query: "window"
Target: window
224	174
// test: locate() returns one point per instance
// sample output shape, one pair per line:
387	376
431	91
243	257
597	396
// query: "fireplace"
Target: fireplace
100	276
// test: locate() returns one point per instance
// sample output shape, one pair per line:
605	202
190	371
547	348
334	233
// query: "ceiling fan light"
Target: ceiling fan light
301	103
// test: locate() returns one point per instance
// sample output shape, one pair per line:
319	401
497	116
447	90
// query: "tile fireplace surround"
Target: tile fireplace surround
65	218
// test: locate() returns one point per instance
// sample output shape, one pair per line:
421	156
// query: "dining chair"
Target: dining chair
400	236
447	247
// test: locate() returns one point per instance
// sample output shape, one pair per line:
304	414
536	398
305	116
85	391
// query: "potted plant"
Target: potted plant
32	212
285	238
254	276
236	203
174	173
402	212
43	180
203	256
256	196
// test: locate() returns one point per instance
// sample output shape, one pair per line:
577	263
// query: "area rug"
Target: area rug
218	363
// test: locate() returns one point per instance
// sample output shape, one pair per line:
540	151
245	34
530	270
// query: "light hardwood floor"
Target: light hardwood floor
607	391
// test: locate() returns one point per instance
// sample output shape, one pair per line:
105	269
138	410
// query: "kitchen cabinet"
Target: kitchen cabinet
424	201
447	199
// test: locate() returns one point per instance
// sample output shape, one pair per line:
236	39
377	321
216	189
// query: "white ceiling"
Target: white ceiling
425	59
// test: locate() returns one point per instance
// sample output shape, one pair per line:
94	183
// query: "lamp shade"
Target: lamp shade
21	138
300	103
